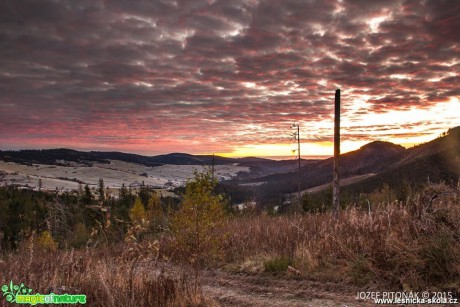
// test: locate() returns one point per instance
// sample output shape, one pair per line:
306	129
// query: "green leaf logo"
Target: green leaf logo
10	291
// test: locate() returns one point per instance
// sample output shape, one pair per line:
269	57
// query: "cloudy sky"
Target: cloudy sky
159	76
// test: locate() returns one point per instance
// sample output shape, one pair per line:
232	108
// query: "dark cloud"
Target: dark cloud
159	76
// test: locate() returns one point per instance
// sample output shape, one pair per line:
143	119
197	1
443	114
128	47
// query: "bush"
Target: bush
277	265
45	241
80	237
360	271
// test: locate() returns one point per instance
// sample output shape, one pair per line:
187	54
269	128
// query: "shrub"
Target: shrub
277	265
80	236
45	241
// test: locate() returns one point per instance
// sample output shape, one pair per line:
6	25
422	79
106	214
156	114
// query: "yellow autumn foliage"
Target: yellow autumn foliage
194	225
137	212
46	241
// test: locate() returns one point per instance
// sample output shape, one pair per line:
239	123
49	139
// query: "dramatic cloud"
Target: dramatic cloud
156	76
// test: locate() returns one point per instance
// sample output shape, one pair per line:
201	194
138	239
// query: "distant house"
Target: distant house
246	205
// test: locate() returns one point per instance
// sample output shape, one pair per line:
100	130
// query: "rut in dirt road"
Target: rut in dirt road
243	290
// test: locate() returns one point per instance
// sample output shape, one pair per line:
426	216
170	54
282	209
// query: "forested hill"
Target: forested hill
437	160
63	155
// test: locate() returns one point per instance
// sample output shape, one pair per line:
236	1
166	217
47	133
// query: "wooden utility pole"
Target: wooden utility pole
336	183
297	136
298	152
212	167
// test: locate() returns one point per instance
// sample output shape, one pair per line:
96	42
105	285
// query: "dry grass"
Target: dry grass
108	276
408	245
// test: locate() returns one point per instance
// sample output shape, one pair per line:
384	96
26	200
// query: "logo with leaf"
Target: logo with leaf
11	290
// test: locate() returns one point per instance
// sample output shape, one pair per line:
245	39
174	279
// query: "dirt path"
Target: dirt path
343	182
264	290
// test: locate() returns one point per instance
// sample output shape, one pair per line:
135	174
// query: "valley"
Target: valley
114	173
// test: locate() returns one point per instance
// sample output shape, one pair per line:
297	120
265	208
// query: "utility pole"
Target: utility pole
336	183
212	168
297	136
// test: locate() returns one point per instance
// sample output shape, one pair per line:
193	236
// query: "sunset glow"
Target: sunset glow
226	77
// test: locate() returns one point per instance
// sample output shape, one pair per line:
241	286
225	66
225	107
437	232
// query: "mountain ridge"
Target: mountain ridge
438	159
435	161
52	156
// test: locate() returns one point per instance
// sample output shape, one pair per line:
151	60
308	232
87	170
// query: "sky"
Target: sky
226	77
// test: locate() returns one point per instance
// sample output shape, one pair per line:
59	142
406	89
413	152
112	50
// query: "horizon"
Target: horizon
271	157
304	157
226	77
238	154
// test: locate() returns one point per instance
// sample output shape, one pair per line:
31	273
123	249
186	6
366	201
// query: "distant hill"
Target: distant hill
259	166
435	161
447	145
49	156
438	160
61	156
265	167
374	157
371	158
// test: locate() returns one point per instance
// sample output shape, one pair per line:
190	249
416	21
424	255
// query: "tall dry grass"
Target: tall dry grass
410	245
122	275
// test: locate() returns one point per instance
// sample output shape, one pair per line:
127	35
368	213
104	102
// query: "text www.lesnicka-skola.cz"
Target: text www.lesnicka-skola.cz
408	297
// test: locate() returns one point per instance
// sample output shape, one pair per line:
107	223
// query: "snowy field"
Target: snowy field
65	178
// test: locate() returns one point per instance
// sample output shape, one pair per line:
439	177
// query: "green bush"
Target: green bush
360	271
80	237
277	265
440	255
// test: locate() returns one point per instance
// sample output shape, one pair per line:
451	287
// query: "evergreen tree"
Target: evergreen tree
155	214
123	192
87	196
144	194
100	190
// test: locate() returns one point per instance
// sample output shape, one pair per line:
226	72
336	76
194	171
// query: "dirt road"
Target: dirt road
265	290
